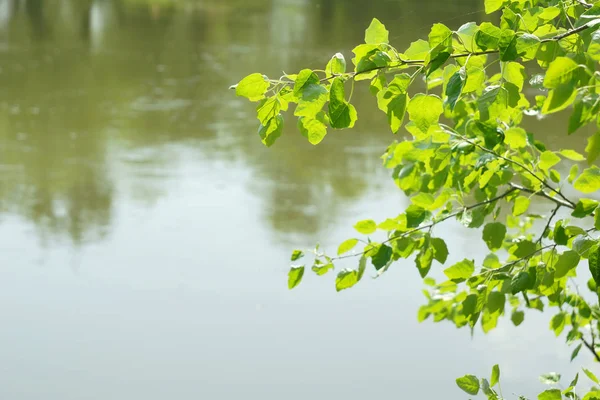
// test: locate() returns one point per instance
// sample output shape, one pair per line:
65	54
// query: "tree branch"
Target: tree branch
432	224
548	223
591	348
544	195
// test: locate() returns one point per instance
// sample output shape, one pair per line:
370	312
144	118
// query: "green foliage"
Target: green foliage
462	153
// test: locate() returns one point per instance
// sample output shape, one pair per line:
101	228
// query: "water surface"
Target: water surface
145	231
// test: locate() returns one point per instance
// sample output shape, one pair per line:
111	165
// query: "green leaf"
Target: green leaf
593	147
424	260
314	129
376	33
341	113
517	317
346	246
295	276
557	323
440	250
527	46
425	110
305	78
524	248
469	384
591	375
520	206
589	180
336	66
495	378
548	160
575	351
488	36
382	257
560	98
492	5
320	268
550	394
394	99
495	302
551	378
311	100
455	87
493	235
508	45
461	270
561	71
297	254
346	279
597	219
584	207
516	138
253	87
573	172
366	227
594	48
514	73
594	263
571	155
585	110
271	131
520	282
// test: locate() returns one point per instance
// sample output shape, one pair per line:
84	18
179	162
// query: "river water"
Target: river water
145	231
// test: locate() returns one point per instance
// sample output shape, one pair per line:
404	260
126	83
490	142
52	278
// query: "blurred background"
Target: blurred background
145	231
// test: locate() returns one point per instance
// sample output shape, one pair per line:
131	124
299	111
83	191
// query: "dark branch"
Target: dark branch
548	223
591	348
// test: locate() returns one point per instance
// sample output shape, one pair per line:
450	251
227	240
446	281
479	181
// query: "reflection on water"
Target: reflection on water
122	151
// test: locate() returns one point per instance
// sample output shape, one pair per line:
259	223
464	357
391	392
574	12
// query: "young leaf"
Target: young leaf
346	279
341	113
440	250
550	394
491	6
336	66
271	131
382	257
576	352
516	138
594	263
520	206
557	323
551	378
461	270
425	110
297	254
253	87
495	378
589	180
469	384
493	235
566	262
376	33
591	375
295	276
572	155
560	72
346	246
366	227
593	147
573	173
488	36
548	160
455	87
517	317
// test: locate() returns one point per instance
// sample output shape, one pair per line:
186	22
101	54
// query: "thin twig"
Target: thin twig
544	195
524	167
432	224
591	348
548	223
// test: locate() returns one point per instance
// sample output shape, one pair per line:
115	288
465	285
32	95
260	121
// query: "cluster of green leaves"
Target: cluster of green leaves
462	95
475	386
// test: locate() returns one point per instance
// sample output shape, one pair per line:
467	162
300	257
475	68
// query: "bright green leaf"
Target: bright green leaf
469	384
346	246
297	254
366	227
295	276
547	160
516	138
425	110
341	113
492	5
591	375
346	279
376	33
560	71
253	87
550	394
271	131
589	180
495	378
520	205
593	147
440	250
461	270
571	155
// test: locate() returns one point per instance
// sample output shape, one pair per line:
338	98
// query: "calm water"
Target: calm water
145	231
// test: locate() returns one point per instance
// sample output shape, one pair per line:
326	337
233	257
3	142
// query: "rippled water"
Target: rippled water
145	231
